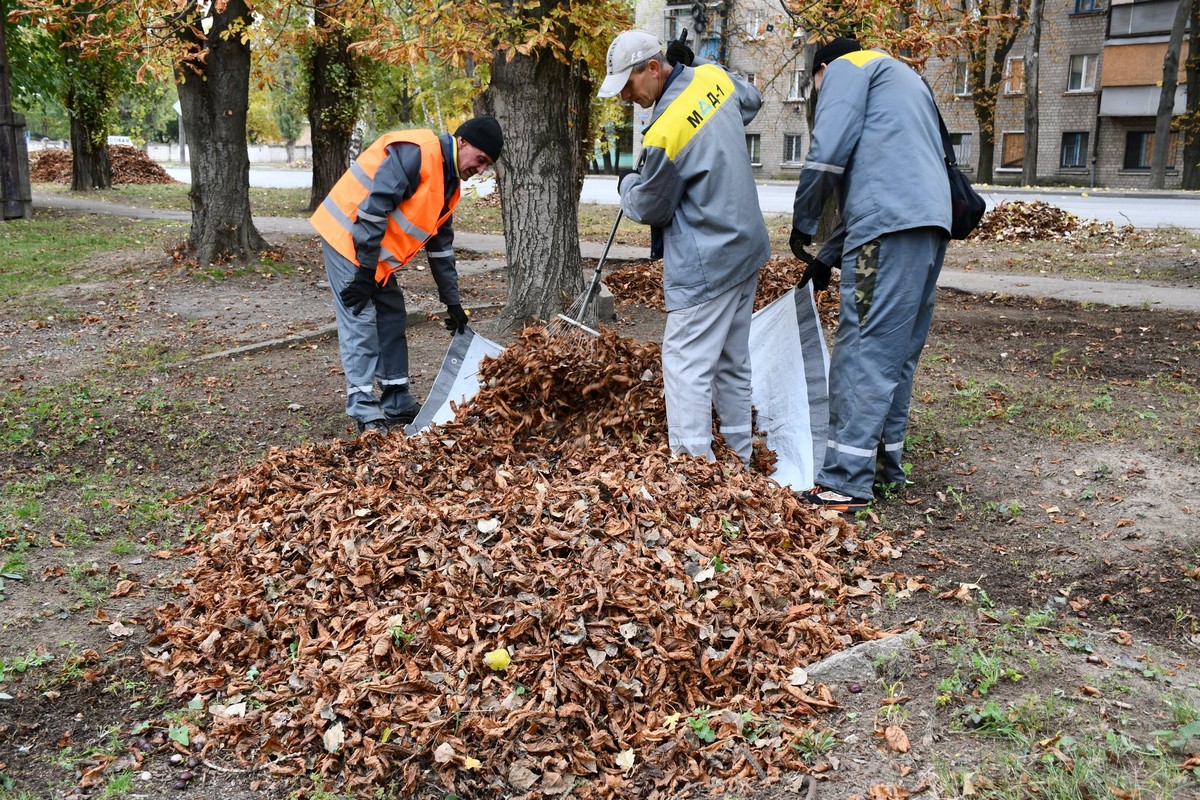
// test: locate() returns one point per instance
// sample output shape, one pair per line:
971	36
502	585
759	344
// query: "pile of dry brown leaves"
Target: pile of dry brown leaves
640	283
130	165
352	604
1021	221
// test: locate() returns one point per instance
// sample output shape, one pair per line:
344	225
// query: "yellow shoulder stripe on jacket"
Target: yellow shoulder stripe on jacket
710	87
860	57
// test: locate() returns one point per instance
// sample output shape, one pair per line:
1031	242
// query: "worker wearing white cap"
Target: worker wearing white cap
696	183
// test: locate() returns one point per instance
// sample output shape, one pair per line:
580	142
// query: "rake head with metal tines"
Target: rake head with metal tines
581	317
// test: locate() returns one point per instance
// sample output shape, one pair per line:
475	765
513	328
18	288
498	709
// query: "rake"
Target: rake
581	316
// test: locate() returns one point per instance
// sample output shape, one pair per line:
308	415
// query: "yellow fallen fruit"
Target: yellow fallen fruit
497	659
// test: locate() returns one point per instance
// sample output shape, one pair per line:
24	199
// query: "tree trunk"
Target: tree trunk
986	62
1191	144
90	167
91	92
333	101
215	94
1166	98
1029	166
542	104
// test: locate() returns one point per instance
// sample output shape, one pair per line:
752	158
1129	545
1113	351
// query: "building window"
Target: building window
1074	150
675	19
1139	149
756	29
1089	6
793	148
754	148
962	78
961	142
1012	151
796	89
1014	75
752	79
1079	78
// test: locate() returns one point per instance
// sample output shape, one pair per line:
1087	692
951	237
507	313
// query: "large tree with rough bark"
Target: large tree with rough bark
1165	116
49	62
1190	121
207	47
212	76
545	58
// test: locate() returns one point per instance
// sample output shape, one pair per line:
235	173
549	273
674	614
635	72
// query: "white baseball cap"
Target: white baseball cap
628	49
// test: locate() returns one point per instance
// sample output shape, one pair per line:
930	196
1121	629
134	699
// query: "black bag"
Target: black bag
966	206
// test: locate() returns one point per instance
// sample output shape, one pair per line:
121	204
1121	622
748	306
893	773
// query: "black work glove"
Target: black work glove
456	319
818	272
679	53
656	243
798	241
358	292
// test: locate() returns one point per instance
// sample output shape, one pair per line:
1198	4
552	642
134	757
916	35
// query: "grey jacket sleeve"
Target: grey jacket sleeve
395	181
837	128
440	251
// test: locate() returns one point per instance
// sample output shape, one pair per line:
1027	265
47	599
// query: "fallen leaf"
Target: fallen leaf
896	738
334	737
444	753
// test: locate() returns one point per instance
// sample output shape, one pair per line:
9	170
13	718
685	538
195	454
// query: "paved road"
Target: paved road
491	249
1122	207
1140	209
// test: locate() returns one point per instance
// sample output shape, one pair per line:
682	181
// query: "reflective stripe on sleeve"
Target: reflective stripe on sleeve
818	167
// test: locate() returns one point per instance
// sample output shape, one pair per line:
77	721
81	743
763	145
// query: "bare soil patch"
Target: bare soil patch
1050	526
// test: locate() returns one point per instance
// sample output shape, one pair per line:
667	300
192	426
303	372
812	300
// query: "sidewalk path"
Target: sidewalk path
1112	293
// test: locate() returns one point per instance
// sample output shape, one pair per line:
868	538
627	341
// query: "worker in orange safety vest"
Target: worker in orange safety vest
397	197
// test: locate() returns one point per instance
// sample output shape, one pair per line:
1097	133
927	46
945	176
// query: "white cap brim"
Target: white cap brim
613	84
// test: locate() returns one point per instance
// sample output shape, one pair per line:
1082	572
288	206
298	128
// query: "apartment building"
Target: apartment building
755	39
1099	71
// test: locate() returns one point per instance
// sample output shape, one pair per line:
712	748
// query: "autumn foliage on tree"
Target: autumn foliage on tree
542	61
982	32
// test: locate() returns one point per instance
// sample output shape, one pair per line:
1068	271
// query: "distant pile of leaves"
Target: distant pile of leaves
640	283
535	599
1021	221
130	165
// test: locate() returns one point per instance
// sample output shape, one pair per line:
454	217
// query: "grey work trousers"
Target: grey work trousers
887	297
373	344
706	361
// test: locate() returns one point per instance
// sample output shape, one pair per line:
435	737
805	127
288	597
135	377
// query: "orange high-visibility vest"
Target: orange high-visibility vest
410	225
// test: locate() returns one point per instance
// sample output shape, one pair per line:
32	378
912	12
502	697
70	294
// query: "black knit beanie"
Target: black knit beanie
834	48
484	133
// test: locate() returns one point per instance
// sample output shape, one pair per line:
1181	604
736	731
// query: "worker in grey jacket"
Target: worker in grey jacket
876	142
696	183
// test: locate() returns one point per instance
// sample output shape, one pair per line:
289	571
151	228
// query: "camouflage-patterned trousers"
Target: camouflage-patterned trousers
887	297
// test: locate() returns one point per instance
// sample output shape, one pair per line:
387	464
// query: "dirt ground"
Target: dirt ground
1049	534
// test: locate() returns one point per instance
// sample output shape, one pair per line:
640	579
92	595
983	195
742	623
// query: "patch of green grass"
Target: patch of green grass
55	417
44	252
1032	757
143	357
174	196
21	504
18	665
815	743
